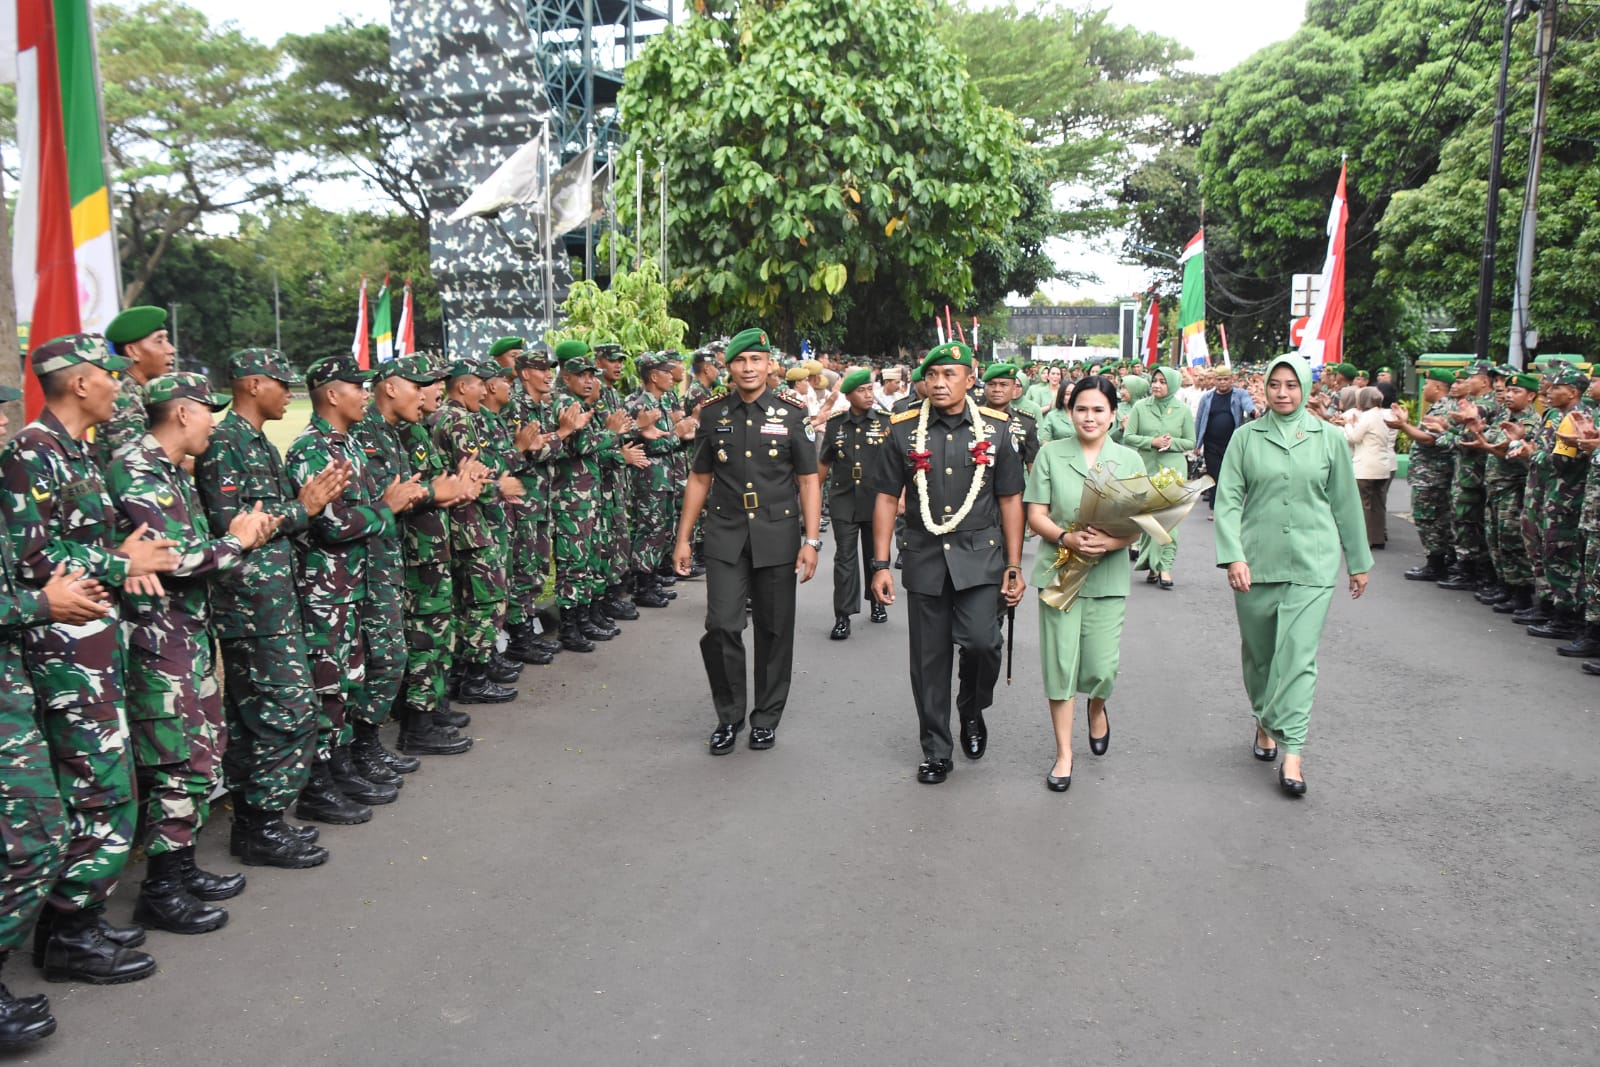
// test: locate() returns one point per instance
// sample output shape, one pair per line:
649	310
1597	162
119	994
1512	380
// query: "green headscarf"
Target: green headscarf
1163	404
1138	388
1285	427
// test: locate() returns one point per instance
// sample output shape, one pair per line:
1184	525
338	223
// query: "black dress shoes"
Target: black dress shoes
722	739
1295	787
1166	583
1099	745
762	738
880	613
1265	755
1058	785
934	771
841	628
974	737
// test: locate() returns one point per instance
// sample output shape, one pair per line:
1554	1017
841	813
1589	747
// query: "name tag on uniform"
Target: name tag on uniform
723	429
775	428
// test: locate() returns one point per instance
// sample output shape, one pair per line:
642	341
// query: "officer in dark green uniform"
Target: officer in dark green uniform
1001	390
755	472
849	446
963	546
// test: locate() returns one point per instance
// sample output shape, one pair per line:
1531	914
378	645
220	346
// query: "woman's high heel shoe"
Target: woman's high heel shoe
1058	785
1098	745
1295	787
1265	755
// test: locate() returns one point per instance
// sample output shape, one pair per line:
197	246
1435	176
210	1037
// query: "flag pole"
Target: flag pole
638	208
549	251
588	230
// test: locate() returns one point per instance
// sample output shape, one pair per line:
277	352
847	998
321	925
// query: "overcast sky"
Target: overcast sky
1221	33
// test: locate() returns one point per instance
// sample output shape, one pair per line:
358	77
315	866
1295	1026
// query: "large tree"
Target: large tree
821	155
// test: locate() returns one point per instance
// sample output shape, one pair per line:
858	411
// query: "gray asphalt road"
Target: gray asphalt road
589	887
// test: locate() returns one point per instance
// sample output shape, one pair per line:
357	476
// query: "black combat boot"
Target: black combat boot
365	754
503	671
523	646
1584	645
1430	571
261	838
203	884
421	734
79	951
478	688
130	936
165	904
451	719
542	638
452	678
572	637
1495	594
617	605
594	625
1563	623
322	801
352	783
666	576
23	1020
1463	577
645	595
1521	599
1538	612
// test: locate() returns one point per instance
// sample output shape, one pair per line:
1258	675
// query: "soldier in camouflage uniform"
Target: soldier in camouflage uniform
427	723
30	804
1472	567
509	517
1552	507
612	537
138	335
174	703
1505	480
268	702
56	511
655	489
530	405
333	580
705	385
477	572
1431	474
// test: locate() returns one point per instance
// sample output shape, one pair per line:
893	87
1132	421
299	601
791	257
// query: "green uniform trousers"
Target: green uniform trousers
383	640
33	831
271	709
176	722
478	579
338	669
1280	627
1080	649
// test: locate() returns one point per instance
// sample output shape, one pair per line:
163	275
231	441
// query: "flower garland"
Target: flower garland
919	448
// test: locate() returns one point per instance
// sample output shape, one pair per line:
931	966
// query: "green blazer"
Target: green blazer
1146	423
1289	511
1057	482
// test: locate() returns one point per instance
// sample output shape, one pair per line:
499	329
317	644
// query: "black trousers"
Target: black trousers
852	555
938	624
978	673
772	594
1214	450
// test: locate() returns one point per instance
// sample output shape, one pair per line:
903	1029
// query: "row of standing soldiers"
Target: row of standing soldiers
1505	498
394	558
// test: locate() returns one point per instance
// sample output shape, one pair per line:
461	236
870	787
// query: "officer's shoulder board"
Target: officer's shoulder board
995	413
1023	415
792	398
839	414
909	413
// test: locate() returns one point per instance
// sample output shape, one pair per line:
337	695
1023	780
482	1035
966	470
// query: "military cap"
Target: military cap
184	385
1482	366
1440	374
916	373
1382	370
1001	370
417	369
892	374
855	380
813	367
135	324
608	350
74	349
1530	382
504	345
1463	374
1567	374
751	340
8	393
340	368
267	361
534	358
1503	370
796	374
574	349
951	352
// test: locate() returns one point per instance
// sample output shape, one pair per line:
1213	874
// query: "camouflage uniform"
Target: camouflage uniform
612	535
174	704
333	579
56	510
477	578
428	599
1551	514
268	701
1504	483
1432	473
382	614
529	533
127	424
1467	491
654	490
576	523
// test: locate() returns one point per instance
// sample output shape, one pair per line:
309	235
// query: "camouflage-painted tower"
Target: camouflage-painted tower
468	76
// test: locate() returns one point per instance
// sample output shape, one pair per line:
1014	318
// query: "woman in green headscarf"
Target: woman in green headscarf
1161	427
1134	389
1287	505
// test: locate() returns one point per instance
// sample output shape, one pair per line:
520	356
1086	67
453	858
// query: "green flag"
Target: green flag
1192	307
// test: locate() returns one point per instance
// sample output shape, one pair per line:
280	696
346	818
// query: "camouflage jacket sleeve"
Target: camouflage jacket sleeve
353	516
144	493
20	607
230	481
126	425
29	487
548	415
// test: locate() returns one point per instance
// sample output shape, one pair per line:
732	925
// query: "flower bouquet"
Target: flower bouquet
1150	504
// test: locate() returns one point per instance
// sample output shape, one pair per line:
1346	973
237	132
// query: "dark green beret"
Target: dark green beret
504	345
1382	370
751	340
1440	374
953	353
136	323
572	349
184	385
1001	370
855	380
1530	382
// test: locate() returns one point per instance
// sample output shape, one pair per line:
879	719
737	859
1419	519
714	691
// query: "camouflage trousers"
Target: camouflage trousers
175	719
479	579
383	639
613	539
1507	549
94	772
338	668
528	560
1467	519
33	831
430	640
1556	545
1431	511
576	532
270	708
655	528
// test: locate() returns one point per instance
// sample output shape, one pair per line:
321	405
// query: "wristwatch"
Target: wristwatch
878	565
814	542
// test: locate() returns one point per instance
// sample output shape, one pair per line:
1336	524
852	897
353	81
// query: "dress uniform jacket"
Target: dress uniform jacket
753	450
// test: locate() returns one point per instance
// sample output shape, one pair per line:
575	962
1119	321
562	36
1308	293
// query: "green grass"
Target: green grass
283	432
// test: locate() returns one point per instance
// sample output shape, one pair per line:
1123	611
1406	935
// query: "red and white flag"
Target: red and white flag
405	343
360	347
1323	341
1152	323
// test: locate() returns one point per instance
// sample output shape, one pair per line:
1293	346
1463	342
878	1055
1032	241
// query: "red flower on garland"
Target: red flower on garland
921	461
980	454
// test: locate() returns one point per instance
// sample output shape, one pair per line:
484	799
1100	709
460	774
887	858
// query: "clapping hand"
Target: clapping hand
73	598
253	528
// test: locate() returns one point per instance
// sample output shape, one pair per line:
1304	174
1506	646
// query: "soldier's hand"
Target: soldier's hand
511	487
401	495
618	422
148	555
682	558
446	488
651	431
686	428
325	486
473	469
144	585
633	456
883	587
527	438
805	564
73	598
1014	586
252	528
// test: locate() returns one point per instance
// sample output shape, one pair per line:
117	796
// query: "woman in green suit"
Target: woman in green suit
1287	506
1134	389
1161	427
1078	648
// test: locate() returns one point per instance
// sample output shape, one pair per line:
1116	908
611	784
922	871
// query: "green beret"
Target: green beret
751	340
953	353
417	369
136	324
1383	370
74	349
1463	374
916	373
855	380
340	368
1001	370
184	386
571	349
504	345
270	362
1440	374
1530	382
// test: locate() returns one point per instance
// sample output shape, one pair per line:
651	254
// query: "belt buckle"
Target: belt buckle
855	472
751	501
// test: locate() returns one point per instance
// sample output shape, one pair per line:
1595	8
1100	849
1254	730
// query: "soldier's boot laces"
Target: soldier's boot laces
1563	622
321	801
572	637
596	624
1536	612
478	688
130	936
1585	644
349	780
262	839
166	904
503	671
450	718
424	736
78	950
617	606
366	752
523	645
1520	599
1463	577
645	593
23	1020
205	885
1430	571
